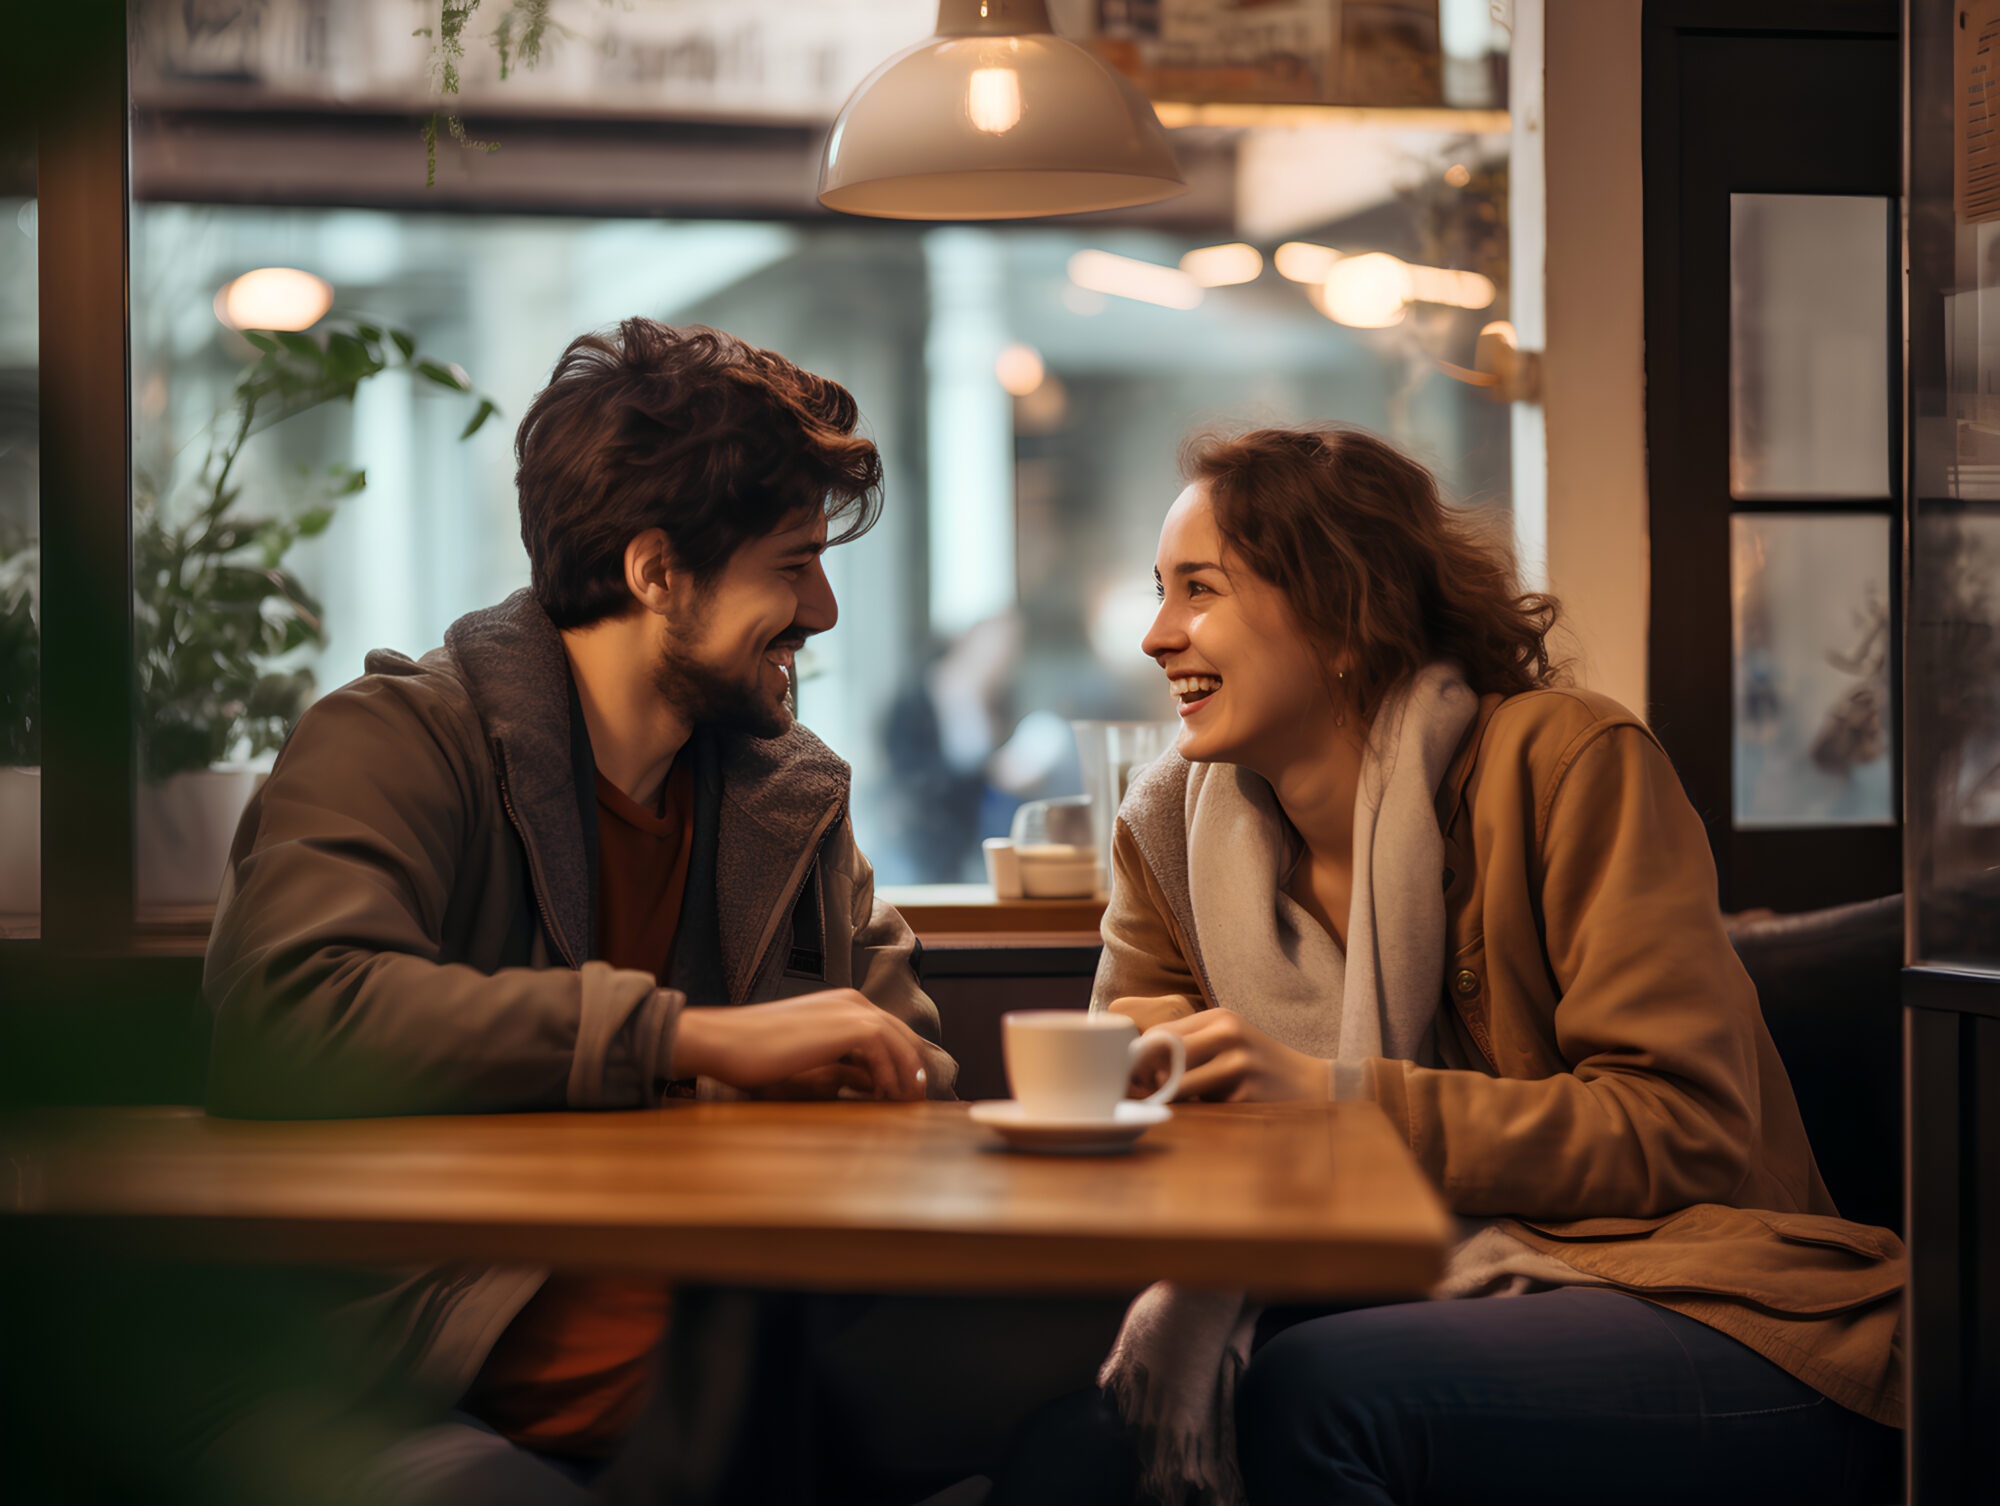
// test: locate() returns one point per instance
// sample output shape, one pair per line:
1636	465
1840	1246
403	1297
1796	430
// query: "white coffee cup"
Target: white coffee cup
1068	1064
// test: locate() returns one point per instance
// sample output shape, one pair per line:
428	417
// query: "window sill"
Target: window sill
946	912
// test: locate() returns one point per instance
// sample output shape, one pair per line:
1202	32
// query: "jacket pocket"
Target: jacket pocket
1572	1230
1833	1234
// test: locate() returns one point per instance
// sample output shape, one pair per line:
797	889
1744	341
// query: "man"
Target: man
581	856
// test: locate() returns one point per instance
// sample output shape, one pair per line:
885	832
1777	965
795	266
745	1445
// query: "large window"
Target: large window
1027	405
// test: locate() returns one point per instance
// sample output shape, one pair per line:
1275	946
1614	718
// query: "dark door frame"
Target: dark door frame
1748	96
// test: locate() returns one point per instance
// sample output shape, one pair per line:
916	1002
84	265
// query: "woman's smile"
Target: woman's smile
1192	692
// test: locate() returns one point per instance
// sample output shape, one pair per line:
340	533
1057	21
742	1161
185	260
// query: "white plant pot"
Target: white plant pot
185	826
20	845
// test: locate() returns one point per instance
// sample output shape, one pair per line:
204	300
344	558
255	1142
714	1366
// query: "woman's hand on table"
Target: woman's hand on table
1230	1060
808	1047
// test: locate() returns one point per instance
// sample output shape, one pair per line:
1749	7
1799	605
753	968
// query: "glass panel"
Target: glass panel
1028	415
1813	736
1954	655
1959	439
1809	357
20	566
1952	612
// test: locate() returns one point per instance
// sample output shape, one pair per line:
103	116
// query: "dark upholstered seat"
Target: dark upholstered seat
1829	982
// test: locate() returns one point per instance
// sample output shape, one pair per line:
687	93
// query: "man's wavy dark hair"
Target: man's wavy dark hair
690	431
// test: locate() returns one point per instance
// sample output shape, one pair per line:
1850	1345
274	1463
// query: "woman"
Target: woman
1390	858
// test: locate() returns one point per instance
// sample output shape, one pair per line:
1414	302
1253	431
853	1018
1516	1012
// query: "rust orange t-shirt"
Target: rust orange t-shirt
569	1375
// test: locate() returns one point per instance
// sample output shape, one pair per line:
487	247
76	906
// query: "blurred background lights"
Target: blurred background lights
1458	175
274	298
1125	277
1223	266
1462	290
993	100
1368	291
1019	369
1302	261
1372	291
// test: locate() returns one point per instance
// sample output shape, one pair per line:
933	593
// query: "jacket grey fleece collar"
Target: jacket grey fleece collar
763	809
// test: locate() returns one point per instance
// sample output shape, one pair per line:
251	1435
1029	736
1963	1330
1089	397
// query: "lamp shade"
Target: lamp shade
995	118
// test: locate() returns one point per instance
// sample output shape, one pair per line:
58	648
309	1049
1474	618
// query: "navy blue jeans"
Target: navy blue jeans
1576	1395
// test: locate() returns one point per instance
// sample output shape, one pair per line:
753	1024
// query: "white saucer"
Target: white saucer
1071	1137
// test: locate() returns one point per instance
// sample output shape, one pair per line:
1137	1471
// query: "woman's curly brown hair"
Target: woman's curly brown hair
1379	569
690	431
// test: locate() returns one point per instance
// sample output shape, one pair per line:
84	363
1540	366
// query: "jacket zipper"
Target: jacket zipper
534	867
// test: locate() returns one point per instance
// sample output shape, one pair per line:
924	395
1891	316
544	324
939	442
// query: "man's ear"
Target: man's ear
649	571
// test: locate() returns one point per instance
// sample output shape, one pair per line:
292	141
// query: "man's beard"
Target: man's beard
708	697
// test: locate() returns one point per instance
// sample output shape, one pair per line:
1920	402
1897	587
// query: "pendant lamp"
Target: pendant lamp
995	118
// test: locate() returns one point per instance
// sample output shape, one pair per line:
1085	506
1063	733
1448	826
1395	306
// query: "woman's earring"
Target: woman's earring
1340	720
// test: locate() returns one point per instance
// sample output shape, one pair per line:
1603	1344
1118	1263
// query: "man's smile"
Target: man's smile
782	653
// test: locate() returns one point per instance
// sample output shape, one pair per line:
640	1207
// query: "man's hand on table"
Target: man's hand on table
808	1047
1228	1059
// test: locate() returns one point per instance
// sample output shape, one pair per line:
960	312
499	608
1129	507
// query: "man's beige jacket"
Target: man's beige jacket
407	922
1630	1116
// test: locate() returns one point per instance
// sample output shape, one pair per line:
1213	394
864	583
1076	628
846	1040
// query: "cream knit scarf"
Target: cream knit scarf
1174	1368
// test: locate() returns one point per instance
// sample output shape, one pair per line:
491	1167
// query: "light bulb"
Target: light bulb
993	100
274	298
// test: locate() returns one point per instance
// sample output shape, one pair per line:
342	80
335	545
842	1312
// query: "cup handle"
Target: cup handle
1176	1047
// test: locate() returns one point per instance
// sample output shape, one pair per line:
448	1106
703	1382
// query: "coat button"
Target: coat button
1466	984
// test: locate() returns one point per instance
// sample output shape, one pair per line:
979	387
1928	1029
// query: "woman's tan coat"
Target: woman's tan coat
1631	1115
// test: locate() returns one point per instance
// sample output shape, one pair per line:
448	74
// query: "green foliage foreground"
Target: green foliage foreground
216	610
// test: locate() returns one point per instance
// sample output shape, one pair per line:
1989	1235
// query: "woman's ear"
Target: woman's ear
649	571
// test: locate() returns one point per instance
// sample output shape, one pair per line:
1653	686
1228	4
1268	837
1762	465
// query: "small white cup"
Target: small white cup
1003	867
1069	1064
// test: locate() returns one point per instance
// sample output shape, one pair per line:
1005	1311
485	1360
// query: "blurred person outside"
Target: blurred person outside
956	773
581	857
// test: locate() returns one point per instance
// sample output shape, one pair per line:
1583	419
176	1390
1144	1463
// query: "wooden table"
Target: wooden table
1291	1200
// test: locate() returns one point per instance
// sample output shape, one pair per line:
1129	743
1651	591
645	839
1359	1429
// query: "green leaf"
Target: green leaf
487	408
214	605
442	375
348	358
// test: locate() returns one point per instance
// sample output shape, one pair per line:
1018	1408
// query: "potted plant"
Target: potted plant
20	738
220	618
